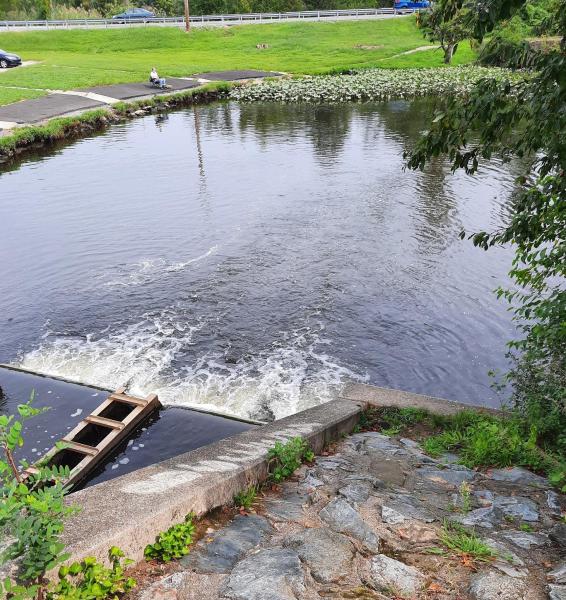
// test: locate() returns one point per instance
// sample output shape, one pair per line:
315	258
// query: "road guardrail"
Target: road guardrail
201	20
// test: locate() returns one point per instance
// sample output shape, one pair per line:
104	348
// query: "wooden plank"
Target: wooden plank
81	448
129	399
104	422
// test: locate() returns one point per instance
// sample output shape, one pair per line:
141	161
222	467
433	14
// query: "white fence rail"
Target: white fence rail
206	19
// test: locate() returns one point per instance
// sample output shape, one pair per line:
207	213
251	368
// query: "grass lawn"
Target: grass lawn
74	59
8	95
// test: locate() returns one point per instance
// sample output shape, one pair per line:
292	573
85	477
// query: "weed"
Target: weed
465	497
246	498
464	541
435	550
525	527
173	543
285	459
90	579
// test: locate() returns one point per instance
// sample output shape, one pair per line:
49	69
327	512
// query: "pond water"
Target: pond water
253	258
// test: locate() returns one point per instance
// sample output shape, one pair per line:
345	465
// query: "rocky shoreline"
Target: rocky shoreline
369	521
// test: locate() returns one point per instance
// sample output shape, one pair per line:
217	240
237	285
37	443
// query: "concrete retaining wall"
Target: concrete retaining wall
131	510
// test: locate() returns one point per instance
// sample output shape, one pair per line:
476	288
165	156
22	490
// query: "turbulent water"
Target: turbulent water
253	258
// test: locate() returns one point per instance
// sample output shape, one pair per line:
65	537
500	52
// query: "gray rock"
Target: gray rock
374	482
504	552
519	476
383	443
342	518
402	508
272	574
449	458
526	540
327	554
356	492
388	573
484	497
410	443
517	506
480	517
288	506
553	502
558	534
488	585
558	574
168	588
228	546
557	592
445	476
311	481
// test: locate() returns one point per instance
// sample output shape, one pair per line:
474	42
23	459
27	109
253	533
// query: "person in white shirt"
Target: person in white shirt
155	79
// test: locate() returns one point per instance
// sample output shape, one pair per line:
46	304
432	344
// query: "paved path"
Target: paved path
367	523
58	103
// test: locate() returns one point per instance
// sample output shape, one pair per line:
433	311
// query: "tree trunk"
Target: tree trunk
449	53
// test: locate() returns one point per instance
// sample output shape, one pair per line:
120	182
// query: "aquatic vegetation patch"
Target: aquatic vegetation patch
374	84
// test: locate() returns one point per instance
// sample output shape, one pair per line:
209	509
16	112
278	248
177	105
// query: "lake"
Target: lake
252	258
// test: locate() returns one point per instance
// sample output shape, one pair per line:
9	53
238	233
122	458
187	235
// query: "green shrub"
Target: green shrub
173	543
285	459
32	511
89	580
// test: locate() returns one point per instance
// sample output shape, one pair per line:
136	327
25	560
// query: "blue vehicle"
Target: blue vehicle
134	14
410	4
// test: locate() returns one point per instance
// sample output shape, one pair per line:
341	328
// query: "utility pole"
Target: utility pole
187	17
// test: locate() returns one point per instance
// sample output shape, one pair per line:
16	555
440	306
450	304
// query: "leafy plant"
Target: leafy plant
524	120
285	459
32	510
173	543
394	420
459	539
89	580
525	527
246	498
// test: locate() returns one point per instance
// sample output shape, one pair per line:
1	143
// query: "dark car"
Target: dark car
7	59
135	14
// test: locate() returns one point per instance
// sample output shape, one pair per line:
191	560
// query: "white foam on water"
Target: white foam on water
293	373
146	270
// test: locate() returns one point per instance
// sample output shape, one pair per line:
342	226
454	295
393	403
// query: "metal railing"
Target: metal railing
205	19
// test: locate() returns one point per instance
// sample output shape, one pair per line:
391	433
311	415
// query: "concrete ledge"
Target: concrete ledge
130	511
386	397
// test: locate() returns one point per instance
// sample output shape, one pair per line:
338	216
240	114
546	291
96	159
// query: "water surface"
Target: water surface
252	258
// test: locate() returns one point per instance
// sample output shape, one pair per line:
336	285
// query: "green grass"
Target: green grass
430	58
464	541
480	439
75	59
246	498
8	95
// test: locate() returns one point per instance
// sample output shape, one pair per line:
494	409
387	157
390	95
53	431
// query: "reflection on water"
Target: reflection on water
253	258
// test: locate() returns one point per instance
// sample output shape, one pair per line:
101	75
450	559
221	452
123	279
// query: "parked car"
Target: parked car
7	59
134	14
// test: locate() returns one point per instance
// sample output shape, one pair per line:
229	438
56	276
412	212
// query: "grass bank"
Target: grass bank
482	440
75	59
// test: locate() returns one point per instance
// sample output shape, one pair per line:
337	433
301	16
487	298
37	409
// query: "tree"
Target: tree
447	23
524	120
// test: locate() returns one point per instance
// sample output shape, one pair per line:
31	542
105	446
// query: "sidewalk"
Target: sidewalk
58	103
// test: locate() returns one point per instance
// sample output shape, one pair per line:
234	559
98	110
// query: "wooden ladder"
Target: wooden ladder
86	446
